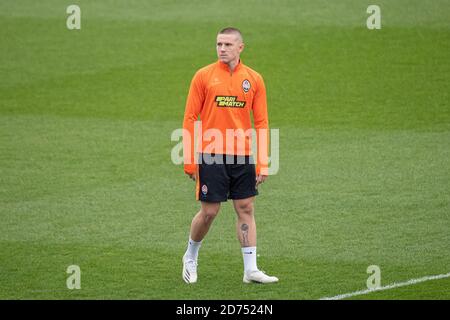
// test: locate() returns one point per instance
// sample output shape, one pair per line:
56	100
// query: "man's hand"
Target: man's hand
260	178
191	175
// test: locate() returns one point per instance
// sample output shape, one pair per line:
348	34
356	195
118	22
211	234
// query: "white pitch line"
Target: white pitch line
391	286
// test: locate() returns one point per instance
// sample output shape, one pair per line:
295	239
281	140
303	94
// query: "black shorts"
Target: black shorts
222	177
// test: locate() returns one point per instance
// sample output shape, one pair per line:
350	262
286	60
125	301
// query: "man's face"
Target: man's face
229	47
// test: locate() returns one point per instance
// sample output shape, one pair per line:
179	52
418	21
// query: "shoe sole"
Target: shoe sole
245	280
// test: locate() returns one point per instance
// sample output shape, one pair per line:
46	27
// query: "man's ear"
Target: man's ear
241	47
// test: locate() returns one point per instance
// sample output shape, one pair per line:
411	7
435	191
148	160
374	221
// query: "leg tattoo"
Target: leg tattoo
244	229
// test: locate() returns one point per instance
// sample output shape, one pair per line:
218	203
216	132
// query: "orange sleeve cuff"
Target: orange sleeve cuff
190	168
264	170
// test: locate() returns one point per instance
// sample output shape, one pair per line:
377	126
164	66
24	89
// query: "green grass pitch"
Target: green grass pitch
85	171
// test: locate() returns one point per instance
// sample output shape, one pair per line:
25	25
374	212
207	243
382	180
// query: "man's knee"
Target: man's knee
244	207
210	211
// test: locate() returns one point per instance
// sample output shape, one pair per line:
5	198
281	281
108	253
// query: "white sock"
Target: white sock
249	255
192	249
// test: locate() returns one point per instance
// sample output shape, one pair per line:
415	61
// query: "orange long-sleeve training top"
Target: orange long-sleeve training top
224	101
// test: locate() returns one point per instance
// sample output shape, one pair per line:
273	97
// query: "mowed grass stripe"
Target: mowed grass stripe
90	219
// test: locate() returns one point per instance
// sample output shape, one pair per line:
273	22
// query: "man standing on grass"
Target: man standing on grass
225	94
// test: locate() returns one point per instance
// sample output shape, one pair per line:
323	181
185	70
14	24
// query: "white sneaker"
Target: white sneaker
189	270
258	276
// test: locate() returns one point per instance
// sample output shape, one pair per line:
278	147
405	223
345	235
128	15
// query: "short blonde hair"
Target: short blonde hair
231	30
